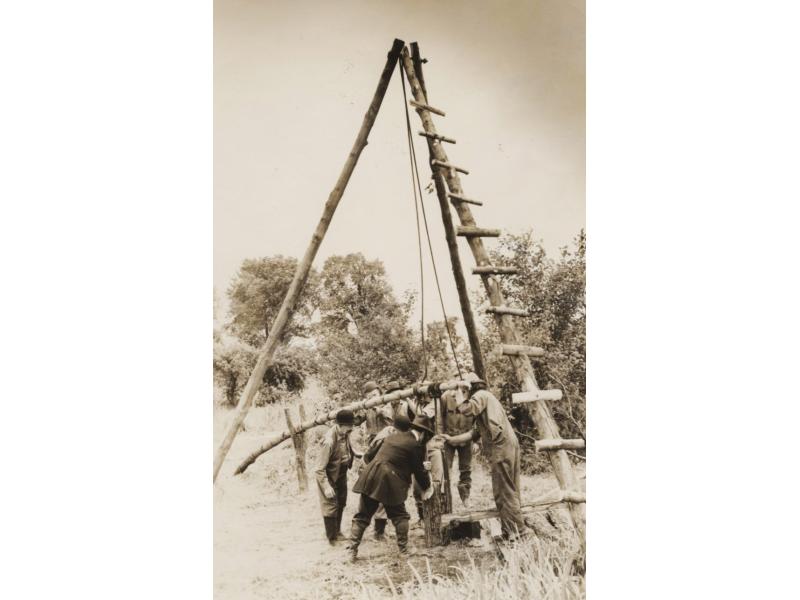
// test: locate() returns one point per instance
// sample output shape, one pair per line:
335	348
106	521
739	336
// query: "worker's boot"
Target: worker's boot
331	528
380	528
401	529
356	533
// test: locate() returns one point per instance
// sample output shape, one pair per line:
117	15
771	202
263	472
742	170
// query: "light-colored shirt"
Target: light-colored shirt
491	422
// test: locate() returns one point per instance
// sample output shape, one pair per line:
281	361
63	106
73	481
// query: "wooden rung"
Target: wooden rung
458	198
507	310
437	137
422	106
446	165
559	444
477	232
513	350
493	270
523	397
537	505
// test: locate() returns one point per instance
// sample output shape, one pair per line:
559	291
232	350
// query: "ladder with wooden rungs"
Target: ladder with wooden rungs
520	355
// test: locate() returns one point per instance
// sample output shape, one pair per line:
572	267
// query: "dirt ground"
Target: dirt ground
269	539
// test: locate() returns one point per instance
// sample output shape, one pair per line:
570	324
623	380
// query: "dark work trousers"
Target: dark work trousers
333	525
464	466
366	509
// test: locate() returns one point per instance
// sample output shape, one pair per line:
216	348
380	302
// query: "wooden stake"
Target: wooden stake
303	267
449	167
298	439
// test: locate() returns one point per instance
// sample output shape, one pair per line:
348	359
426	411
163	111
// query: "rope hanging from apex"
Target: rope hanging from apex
419	206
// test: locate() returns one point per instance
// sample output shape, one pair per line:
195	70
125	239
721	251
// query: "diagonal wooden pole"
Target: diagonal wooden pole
540	411
452	247
303	268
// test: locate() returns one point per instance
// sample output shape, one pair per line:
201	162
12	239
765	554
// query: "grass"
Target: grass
532	569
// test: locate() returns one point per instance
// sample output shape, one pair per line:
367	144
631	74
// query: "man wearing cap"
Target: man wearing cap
455	423
501	444
335	458
387	478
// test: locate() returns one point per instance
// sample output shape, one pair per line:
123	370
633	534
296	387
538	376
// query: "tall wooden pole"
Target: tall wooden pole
540	411
303	268
452	246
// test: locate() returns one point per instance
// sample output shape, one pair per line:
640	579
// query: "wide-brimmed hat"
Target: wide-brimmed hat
369	386
345	417
392	386
423	423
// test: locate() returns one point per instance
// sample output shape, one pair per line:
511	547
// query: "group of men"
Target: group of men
401	440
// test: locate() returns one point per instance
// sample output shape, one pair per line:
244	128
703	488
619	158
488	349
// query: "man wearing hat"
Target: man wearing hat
335	458
501	444
455	423
387	478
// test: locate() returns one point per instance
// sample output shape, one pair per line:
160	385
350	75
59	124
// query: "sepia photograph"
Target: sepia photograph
399	300
312	300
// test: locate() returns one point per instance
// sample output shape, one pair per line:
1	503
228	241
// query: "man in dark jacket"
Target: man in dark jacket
335	458
386	480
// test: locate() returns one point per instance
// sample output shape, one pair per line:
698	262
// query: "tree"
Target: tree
363	330
441	364
234	361
256	294
553	291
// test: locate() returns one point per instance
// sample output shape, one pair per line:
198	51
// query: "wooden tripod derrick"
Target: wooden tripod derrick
449	190
541	414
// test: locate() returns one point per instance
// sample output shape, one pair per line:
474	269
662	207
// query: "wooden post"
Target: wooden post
452	248
304	266
298	439
540	411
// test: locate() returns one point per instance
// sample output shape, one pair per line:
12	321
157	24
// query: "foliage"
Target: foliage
533	568
234	361
553	291
441	365
256	294
363	330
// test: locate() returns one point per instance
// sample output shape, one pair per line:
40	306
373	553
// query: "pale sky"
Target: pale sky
292	81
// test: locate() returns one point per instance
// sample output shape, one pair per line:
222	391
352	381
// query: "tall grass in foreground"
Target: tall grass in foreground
534	569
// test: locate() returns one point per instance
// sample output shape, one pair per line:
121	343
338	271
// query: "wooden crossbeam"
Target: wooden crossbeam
422	106
559	444
517	350
437	137
537	505
507	310
465	231
494	270
460	198
536	395
447	165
